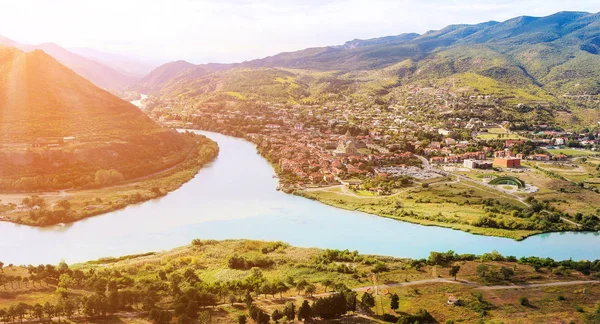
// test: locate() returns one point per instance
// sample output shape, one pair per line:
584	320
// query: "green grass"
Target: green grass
492	136
572	152
236	95
439	205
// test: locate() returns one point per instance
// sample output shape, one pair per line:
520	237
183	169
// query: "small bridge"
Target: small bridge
509	181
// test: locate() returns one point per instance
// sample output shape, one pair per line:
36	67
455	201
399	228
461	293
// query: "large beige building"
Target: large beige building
347	146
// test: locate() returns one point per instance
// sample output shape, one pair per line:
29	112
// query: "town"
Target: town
421	149
346	142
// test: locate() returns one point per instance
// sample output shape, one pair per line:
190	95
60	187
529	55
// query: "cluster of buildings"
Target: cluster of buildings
305	141
315	160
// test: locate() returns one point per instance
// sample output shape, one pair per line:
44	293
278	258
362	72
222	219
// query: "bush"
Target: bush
389	318
524	301
561	297
380	267
422	316
243	263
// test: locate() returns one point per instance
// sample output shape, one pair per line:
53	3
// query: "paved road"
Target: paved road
426	164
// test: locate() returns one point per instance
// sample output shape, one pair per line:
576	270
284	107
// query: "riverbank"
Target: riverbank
491	287
73	205
382	207
459	205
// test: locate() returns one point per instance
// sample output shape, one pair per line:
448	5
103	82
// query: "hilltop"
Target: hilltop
102	75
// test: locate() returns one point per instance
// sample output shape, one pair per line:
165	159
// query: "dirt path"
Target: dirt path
478	286
570	222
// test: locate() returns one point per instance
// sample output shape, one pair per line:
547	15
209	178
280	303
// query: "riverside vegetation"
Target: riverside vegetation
44	210
240	281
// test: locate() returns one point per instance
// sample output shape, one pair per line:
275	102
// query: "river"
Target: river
235	197
138	103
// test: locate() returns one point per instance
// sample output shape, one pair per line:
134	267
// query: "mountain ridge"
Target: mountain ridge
555	53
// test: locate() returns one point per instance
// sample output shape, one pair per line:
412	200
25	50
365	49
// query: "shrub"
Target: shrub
422	316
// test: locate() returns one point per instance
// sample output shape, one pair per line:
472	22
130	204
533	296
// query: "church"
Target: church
347	146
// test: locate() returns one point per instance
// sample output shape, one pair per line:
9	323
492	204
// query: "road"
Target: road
478	286
426	164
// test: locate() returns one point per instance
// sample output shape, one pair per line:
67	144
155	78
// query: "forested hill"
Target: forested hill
58	130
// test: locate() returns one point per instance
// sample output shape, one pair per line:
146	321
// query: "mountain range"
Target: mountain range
535	58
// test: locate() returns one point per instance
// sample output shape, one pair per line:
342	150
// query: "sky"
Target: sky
202	31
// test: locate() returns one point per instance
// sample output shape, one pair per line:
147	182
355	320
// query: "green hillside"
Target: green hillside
529	60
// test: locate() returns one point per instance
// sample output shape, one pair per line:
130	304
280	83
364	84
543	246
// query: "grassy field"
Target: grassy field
499	133
482	296
572	152
491	136
453	205
461	205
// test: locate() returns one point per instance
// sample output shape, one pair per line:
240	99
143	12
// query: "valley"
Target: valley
315	185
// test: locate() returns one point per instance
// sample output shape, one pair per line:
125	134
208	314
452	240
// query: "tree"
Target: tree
482	270
310	289
65	281
241	319
248	300
232	299
367	301
69	307
38	312
49	310
454	271
1	266
276	315
506	272
21	311
263	318
326	283
380	267
289	310
280	287
266	288
304	313
301	285
395	303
